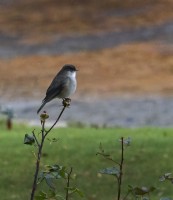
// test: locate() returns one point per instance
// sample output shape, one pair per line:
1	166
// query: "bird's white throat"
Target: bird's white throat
71	74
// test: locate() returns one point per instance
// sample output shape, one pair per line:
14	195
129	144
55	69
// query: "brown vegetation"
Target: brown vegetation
40	19
135	69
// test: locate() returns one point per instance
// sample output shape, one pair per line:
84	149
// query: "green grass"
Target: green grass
148	157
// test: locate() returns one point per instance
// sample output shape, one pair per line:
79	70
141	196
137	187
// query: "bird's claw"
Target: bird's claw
66	102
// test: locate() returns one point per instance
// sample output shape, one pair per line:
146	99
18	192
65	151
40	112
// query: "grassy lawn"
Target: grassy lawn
148	157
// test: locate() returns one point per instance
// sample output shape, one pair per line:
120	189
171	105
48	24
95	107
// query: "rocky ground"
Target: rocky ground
123	53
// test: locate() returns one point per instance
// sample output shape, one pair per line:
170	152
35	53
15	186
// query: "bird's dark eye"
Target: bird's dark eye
72	69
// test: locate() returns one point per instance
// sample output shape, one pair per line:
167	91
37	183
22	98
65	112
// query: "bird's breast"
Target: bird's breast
69	88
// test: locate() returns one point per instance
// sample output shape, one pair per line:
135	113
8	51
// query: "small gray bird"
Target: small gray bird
63	85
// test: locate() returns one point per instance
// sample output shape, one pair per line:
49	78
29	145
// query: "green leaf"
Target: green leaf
166	176
56	170
49	180
162	178
139	191
111	171
29	139
51	194
51	173
60	197
166	198
145	198
73	190
79	192
151	189
127	141
41	196
51	140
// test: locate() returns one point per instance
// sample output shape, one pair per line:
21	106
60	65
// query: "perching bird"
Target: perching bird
63	85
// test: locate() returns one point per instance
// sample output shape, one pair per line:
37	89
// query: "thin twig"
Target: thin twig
107	157
42	129
55	121
35	139
126	195
121	169
68	183
34	186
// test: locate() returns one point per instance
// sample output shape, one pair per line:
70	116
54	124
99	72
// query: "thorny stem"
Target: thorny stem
68	183
121	169
40	147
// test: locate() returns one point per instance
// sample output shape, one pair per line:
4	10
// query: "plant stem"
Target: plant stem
56	121
37	169
126	195
40	147
35	139
68	183
121	169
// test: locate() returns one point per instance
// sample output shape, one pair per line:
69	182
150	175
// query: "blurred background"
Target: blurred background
123	50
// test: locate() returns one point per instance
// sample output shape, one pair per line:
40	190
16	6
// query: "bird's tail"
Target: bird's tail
42	105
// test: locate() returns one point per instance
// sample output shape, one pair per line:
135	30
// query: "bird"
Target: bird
62	86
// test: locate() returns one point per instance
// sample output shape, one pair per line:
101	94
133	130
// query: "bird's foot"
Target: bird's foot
66	102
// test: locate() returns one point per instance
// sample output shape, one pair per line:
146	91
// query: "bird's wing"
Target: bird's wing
55	88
